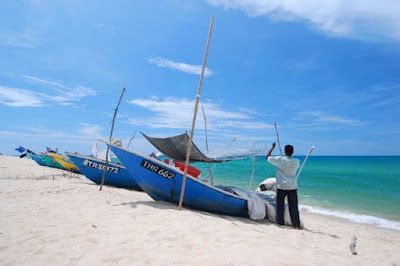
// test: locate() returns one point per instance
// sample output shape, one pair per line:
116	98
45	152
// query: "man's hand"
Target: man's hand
270	151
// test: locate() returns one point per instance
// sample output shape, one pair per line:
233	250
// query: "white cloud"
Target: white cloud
355	18
19	97
26	39
86	133
37	139
105	28
65	95
178	114
5	134
241	124
324	118
384	95
388	102
187	68
248	111
45	82
91	130
70	95
390	88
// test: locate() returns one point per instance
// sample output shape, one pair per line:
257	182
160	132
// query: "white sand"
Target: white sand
51	218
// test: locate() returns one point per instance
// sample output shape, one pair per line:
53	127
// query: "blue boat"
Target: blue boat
163	182
93	169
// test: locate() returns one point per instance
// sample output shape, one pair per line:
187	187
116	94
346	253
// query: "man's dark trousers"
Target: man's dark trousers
293	208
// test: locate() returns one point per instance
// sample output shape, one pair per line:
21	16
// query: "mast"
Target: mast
195	114
112	129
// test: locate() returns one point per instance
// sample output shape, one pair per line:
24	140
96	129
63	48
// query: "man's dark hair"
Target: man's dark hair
289	150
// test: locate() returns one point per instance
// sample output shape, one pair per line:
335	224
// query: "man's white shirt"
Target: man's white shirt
286	168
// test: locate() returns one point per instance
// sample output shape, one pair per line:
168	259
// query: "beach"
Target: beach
51	217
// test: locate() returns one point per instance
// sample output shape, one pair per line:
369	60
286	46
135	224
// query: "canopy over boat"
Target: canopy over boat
176	147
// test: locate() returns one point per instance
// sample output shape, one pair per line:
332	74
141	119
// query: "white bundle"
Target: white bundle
269	183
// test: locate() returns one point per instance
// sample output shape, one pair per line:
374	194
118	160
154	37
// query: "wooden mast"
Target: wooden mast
112	128
195	114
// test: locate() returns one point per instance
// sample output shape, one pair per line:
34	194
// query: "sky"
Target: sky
326	72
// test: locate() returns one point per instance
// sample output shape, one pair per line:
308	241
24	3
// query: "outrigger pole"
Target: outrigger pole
305	160
205	126
277	136
112	128
195	114
252	173
234	138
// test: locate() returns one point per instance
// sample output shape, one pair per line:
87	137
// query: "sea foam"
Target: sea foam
358	218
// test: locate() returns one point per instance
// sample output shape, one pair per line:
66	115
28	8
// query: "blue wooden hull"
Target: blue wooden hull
163	182
93	169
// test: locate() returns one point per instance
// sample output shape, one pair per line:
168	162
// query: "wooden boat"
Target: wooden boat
37	159
26	153
93	169
163	182
51	162
64	162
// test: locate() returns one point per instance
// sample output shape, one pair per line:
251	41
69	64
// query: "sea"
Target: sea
363	189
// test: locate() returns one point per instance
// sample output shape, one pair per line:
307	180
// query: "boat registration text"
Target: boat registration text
157	169
101	166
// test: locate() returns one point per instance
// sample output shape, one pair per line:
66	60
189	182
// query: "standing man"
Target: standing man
286	183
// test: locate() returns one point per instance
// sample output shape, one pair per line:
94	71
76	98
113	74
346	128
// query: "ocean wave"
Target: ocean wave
358	218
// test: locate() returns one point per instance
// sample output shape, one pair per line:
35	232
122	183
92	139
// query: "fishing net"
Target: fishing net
235	154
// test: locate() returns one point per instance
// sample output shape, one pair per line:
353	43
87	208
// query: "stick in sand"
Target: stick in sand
353	245
112	128
194	115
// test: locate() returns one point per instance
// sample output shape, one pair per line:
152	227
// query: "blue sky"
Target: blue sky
327	72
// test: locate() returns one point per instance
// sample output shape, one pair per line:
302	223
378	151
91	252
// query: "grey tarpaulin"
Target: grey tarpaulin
175	147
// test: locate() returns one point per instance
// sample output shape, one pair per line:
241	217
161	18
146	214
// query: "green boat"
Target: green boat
51	162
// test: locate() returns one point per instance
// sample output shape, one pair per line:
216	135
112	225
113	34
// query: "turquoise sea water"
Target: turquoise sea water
364	189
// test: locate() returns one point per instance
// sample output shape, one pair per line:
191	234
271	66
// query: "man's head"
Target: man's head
288	150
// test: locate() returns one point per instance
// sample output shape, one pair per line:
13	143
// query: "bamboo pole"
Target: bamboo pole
131	139
208	164
277	136
305	160
195	114
112	129
252	173
234	138
205	125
